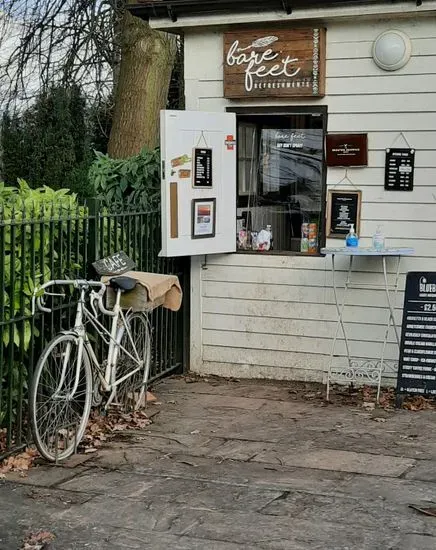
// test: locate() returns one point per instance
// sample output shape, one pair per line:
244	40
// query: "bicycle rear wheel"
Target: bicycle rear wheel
131	392
58	419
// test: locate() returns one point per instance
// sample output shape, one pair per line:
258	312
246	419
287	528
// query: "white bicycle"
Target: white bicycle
69	379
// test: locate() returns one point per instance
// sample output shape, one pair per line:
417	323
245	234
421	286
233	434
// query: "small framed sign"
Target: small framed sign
399	169
343	209
202	167
203	218
347	149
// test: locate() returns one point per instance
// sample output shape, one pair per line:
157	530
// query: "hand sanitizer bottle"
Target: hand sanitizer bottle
269	229
378	240
352	239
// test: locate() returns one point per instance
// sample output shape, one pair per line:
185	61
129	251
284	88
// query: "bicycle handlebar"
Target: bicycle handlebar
99	298
76	283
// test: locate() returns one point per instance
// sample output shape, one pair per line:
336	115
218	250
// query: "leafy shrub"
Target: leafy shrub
35	225
133	183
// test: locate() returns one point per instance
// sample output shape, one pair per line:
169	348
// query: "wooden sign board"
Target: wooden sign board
343	209
347	149
417	365
116	264
274	63
399	169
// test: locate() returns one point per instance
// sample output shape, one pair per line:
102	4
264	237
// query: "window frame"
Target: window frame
246	159
246	112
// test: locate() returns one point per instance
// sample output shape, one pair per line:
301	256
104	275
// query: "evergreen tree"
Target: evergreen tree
13	154
49	143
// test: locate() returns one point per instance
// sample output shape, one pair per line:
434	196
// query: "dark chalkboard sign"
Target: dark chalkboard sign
202	167
417	364
116	264
399	169
343	209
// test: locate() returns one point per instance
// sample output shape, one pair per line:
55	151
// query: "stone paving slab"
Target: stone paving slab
232	466
397	490
360	513
424	470
280	533
416	542
340	461
46	475
162	490
274	477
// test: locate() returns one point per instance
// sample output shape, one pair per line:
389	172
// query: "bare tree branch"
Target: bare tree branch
46	42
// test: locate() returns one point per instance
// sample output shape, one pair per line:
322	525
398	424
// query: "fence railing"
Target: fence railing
36	246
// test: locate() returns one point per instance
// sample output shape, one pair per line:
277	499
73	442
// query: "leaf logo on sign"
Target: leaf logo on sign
260	43
256	62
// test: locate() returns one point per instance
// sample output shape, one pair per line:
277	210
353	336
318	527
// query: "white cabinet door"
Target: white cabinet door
198	183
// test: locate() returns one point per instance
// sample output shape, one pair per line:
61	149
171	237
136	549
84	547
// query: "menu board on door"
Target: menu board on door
203	167
417	365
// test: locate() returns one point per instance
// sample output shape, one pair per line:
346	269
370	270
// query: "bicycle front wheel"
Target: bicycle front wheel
131	392
59	416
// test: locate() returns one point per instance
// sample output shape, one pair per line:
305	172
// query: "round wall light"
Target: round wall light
391	50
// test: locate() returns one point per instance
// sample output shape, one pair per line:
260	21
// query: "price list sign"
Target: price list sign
417	365
203	168
399	169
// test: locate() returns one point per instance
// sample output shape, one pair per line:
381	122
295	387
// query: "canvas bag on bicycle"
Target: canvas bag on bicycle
152	289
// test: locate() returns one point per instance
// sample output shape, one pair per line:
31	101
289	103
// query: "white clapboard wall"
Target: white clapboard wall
274	316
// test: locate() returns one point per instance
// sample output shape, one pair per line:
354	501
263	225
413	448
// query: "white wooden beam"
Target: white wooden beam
387	9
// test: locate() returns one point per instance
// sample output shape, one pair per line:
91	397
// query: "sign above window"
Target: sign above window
274	63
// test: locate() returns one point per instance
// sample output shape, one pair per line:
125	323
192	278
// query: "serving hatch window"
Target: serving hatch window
281	183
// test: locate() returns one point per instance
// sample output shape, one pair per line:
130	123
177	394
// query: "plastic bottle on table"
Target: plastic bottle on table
378	240
352	240
269	228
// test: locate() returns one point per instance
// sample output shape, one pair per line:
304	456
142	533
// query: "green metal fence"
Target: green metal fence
36	246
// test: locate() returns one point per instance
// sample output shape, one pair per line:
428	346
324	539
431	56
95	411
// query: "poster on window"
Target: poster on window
291	166
203	218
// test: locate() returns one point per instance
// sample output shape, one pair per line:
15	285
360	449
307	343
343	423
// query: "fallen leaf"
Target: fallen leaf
188	463
90	450
100	427
38	540
3	440
20	462
150	397
195	432
419	403
425	511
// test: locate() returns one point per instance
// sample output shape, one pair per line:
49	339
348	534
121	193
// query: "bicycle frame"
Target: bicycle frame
118	326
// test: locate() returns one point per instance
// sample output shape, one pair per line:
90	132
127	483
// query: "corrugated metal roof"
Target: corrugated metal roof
173	9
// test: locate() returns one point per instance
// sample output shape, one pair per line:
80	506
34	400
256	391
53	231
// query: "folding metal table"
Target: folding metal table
361	369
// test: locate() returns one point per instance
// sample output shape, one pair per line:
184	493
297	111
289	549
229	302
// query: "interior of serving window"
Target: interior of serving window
281	183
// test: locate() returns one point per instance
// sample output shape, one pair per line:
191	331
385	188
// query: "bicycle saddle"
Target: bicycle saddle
123	283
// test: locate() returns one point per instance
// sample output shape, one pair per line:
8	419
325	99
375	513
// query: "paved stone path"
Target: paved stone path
232	466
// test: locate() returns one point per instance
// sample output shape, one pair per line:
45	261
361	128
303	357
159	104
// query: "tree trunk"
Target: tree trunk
147	59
